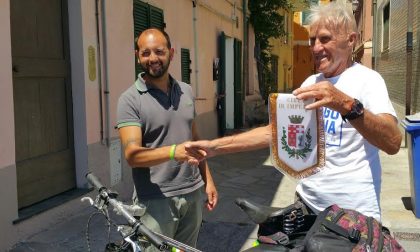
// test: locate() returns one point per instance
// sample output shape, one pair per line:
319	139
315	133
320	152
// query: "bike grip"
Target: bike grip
154	239
93	180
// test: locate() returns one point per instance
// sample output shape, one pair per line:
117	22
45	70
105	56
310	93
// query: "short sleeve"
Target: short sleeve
127	113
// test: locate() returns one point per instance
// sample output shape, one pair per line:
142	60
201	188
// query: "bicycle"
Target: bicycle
136	236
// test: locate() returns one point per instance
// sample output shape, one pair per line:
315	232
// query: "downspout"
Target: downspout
98	52
245	54
409	49
374	47
106	77
197	86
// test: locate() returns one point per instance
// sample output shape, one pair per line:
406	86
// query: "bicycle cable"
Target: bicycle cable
109	223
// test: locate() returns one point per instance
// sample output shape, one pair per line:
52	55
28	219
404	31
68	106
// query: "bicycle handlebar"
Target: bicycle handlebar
138	225
93	180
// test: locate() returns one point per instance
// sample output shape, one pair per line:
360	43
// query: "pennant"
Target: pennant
298	142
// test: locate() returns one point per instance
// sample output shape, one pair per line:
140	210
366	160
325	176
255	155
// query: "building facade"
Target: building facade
65	63
396	51
282	55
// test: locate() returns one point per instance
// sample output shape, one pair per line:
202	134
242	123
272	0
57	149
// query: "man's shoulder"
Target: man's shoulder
181	84
129	93
132	89
364	70
184	87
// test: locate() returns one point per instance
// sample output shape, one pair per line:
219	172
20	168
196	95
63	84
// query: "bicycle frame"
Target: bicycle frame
137	229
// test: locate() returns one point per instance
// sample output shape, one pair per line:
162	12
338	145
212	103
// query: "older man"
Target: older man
359	116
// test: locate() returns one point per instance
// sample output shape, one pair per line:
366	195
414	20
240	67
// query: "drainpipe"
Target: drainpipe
106	77
374	35
197	86
409	49
98	52
245	54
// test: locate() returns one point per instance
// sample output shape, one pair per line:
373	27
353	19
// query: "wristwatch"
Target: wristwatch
356	111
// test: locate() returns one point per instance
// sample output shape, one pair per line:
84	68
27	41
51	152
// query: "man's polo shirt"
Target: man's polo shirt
164	120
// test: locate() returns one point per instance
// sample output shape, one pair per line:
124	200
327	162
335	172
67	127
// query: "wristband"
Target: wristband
172	152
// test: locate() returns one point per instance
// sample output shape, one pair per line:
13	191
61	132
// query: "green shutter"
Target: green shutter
156	18
145	16
185	65
141	17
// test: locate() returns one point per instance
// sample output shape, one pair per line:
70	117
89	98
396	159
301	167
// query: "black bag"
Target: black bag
338	229
287	231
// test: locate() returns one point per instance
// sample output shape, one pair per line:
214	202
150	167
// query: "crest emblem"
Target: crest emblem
298	141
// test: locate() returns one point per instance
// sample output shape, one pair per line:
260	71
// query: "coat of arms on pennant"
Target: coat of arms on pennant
298	145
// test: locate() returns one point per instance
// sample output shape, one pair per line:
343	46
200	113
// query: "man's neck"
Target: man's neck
161	83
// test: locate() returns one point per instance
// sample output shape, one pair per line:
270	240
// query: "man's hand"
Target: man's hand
201	148
326	95
212	196
193	156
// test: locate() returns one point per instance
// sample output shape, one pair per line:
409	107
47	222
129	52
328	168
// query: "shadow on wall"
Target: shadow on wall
416	67
207	125
256	113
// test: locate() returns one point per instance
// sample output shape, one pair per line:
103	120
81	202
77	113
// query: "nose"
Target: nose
316	45
153	56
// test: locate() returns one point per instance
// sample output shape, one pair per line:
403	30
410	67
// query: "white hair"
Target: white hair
336	15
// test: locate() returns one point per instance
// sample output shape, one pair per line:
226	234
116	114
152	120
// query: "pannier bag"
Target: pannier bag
339	229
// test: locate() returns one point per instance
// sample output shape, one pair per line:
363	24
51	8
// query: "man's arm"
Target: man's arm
254	139
139	156
210	187
380	130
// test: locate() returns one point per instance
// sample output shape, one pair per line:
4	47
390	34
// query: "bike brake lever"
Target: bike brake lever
134	245
89	199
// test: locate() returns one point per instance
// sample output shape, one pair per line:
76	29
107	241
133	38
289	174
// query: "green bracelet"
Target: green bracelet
172	152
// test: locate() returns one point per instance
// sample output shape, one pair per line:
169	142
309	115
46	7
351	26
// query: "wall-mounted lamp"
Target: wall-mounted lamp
354	5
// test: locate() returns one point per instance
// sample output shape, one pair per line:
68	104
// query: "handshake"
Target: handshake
194	152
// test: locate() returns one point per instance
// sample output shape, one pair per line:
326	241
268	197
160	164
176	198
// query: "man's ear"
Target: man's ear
136	53
171	53
352	39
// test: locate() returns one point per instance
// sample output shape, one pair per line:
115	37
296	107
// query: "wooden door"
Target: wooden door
42	99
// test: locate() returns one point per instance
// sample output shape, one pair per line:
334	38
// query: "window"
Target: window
185	65
275	70
385	28
145	16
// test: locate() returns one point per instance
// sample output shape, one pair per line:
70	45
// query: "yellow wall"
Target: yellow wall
282	47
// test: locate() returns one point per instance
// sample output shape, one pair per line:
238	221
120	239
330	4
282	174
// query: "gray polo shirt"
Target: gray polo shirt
164	120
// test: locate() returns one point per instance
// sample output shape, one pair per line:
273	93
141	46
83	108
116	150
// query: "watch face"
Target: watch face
356	110
358	107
